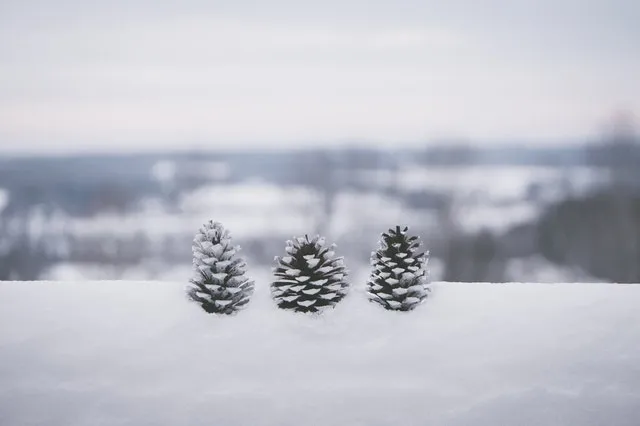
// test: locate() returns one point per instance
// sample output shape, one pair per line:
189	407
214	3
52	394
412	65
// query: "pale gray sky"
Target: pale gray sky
154	74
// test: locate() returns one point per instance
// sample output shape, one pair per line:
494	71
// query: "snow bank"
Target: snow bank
137	353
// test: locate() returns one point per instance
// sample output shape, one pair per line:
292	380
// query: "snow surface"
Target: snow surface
138	353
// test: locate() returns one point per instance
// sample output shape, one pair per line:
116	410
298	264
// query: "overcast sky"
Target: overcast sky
129	74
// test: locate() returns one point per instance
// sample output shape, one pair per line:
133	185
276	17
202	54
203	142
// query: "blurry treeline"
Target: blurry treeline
590	235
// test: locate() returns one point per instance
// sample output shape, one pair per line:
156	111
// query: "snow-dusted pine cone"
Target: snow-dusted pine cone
309	278
399	280
219	284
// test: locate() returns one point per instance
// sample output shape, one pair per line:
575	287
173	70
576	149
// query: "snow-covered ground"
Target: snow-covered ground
493	198
137	353
496	183
539	270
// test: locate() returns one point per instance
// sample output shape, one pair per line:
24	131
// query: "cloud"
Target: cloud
238	76
199	37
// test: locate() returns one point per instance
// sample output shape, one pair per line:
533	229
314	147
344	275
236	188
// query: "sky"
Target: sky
132	74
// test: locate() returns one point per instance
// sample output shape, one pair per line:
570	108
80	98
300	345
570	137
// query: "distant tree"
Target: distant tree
619	153
309	278
600	232
219	284
474	258
22	261
596	234
451	153
23	256
319	170
399	278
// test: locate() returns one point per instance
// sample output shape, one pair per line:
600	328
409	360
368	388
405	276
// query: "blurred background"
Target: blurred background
504	133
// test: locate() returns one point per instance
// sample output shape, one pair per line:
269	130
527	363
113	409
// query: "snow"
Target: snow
249	210
484	198
138	353
248	195
496	218
164	171
493	198
313	262
538	269
147	270
216	170
370	213
496	183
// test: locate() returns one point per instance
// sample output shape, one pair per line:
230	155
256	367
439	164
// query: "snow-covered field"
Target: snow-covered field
137	353
156	233
495	183
492	198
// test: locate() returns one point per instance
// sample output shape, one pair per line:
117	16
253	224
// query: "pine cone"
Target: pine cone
309	278
399	278
219	284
